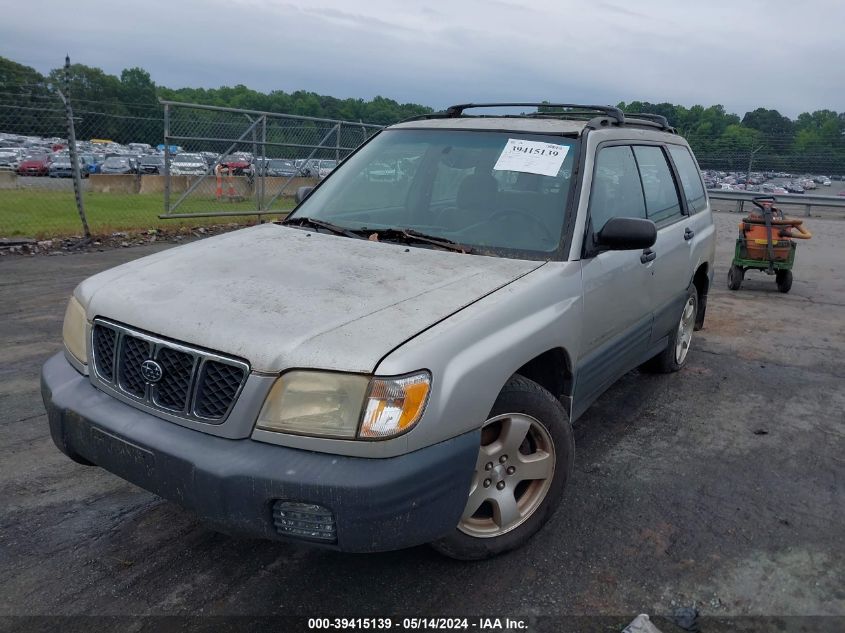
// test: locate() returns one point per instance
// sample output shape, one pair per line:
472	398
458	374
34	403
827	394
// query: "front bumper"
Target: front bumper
378	504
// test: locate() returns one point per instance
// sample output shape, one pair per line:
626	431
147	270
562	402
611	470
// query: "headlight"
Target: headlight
73	330
329	404
315	403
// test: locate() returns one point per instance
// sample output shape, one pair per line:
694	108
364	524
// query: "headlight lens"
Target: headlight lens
73	330
329	404
315	403
394	405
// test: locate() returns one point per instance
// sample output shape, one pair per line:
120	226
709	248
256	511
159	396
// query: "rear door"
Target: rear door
698	225
616	284
671	265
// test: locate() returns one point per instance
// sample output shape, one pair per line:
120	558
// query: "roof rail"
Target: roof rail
611	111
661	120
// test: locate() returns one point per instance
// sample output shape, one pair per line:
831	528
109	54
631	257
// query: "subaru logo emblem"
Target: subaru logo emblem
151	371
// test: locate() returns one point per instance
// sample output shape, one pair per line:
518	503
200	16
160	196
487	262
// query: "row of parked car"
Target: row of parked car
31	156
765	182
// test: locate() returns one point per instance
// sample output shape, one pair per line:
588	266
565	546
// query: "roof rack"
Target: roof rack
610	111
608	114
661	120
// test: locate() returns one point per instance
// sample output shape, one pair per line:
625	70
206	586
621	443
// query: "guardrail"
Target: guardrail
793	199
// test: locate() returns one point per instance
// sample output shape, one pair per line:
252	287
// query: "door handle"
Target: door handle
648	256
688	233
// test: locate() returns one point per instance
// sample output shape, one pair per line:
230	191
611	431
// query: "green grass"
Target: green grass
42	213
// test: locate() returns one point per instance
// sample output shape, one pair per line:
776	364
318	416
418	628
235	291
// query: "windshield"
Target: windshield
493	191
188	158
116	162
152	160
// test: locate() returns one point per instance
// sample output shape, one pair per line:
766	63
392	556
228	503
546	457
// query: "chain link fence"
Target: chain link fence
224	161
143	168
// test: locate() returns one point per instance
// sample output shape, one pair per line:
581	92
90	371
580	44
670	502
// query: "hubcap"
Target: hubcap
685	328
515	467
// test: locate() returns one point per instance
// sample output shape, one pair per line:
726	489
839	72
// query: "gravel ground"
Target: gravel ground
720	486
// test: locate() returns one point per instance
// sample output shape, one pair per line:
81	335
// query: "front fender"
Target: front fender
474	352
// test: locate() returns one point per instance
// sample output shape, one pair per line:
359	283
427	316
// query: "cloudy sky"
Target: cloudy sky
741	53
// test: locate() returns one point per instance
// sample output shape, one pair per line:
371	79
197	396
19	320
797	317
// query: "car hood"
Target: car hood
282	297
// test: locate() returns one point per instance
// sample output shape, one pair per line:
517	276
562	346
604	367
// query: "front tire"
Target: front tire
525	459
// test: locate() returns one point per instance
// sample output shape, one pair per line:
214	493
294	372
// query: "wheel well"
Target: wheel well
552	370
701	281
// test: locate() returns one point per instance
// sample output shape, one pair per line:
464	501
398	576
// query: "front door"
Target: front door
616	284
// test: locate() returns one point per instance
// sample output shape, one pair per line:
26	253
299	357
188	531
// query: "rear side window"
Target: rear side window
661	196
690	178
616	190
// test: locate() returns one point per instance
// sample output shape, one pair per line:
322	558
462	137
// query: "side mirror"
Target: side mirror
627	234
302	193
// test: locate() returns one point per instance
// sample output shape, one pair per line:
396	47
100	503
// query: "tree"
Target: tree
27	104
770	122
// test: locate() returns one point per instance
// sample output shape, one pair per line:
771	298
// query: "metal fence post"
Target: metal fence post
74	155
263	184
337	144
167	158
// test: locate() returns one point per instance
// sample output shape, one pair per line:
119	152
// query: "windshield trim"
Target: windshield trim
561	253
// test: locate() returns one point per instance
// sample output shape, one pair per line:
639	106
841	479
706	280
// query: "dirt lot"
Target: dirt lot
720	486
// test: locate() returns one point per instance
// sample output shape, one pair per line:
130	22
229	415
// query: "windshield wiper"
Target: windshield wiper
304	220
410	235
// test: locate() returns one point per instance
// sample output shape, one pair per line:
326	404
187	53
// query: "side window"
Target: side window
661	196
616	191
690	178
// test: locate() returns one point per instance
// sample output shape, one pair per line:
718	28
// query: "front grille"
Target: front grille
133	352
217	387
104	340
173	389
194	383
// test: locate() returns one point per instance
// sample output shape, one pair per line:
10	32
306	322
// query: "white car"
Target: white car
188	165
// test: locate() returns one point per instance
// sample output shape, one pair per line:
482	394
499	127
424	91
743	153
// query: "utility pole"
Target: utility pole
74	155
751	160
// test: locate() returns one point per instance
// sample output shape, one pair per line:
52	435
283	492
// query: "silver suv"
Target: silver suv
400	360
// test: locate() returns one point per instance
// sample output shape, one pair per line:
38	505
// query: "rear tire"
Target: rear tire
525	460
783	278
735	276
674	357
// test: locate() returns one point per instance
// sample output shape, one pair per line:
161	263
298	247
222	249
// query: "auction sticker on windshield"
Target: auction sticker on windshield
531	157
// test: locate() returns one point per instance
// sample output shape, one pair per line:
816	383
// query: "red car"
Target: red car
236	163
35	166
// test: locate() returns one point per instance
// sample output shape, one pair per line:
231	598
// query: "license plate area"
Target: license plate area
122	457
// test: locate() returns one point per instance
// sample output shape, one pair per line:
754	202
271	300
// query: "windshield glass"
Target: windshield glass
493	191
188	158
